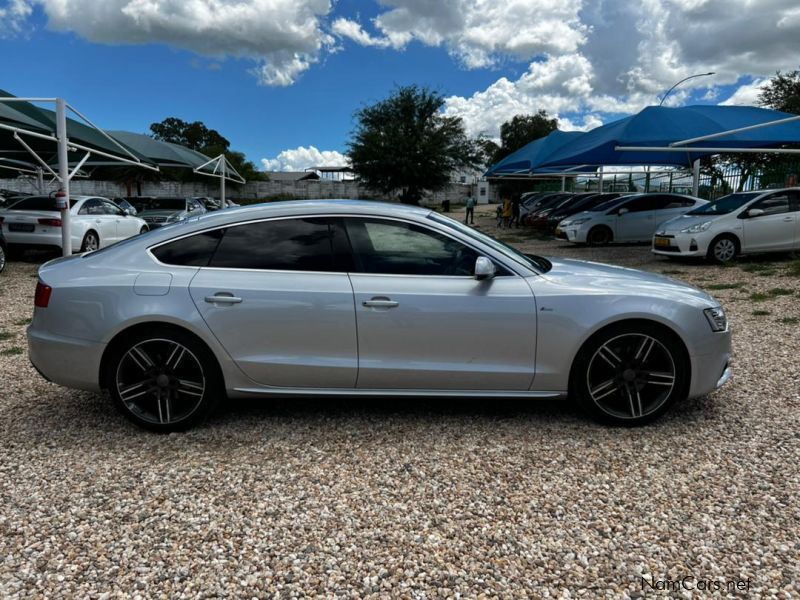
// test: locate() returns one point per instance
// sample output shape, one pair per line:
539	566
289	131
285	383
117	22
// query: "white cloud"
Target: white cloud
353	30
746	95
301	158
13	17
284	37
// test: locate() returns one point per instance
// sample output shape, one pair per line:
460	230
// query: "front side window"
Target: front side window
111	209
91	207
640	204
400	248
775	204
302	244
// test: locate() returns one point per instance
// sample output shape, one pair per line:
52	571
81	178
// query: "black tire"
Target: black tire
723	249
144	229
163	379
3	258
599	235
630	392
91	241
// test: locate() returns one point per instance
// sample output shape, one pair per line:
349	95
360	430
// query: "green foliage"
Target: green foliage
522	130
13	351
790	320
782	92
405	143
761	313
195	135
724	286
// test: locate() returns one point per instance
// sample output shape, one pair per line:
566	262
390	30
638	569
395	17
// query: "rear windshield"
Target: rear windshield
725	205
37	203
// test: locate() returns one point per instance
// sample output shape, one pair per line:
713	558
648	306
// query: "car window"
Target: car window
400	248
794	200
193	251
640	204
302	244
725	205
774	204
111	209
47	203
667	202
91	207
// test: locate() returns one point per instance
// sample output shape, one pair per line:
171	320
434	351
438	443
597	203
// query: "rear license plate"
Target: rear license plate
26	227
661	241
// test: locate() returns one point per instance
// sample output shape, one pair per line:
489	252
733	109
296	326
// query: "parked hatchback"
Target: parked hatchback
740	223
627	219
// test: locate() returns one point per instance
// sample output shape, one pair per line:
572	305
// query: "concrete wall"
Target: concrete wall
255	190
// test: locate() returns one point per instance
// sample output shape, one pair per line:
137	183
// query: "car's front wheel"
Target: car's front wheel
599	235
164	380
629	374
91	242
723	249
144	229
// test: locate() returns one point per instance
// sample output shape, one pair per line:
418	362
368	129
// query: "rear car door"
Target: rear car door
275	297
772	230
425	323
638	223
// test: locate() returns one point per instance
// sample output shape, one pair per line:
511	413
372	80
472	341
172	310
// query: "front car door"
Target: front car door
277	301
772	230
425	323
125	227
104	224
637	223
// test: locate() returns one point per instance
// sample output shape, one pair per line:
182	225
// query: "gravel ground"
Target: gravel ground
413	498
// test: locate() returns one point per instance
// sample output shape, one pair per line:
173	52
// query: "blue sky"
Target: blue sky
293	80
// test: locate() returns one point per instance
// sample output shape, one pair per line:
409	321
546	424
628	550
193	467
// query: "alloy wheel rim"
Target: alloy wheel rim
631	376
2	259
724	250
160	381
91	242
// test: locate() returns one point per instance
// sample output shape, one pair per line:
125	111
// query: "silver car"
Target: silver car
344	298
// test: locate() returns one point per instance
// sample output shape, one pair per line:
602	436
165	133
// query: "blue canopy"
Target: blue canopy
529	157
661	126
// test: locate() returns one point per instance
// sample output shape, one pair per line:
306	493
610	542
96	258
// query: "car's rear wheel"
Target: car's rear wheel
144	229
164	380
2	258
629	374
599	235
723	249
91	242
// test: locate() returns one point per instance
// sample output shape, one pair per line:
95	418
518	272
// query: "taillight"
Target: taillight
50	222
42	297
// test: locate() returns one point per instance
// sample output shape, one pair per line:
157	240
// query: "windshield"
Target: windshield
537	263
166	204
38	203
610	204
724	205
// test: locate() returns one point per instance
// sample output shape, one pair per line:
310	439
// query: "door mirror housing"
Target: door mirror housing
622	211
484	268
755	212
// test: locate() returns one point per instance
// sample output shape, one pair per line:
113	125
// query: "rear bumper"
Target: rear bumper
70	362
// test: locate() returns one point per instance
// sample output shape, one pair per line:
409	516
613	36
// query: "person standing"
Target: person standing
507	213
515	204
469	218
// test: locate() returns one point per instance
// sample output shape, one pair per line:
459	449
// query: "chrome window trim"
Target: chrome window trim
447	233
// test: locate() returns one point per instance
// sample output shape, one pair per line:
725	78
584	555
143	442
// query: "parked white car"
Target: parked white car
626	219
35	222
741	223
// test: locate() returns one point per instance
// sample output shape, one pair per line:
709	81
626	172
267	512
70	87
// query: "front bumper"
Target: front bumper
67	361
679	244
712	369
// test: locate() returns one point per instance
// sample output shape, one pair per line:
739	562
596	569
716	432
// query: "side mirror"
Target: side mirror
129	212
622	211
755	212
484	268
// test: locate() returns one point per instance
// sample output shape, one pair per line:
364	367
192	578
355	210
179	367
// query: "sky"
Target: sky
281	79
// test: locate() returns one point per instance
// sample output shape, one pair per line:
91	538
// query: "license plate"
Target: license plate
661	241
26	227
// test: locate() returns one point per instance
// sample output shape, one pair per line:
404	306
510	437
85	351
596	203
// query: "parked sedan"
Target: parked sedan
158	212
342	298
741	223
35	222
627	219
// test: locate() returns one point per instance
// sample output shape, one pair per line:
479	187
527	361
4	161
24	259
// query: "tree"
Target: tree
782	92
522	130
406	144
193	135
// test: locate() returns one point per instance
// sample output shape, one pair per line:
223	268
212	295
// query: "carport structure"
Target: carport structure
61	146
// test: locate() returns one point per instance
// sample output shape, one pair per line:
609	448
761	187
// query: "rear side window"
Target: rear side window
283	245
193	251
641	204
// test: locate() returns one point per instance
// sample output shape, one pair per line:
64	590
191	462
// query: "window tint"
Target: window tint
640	204
398	248
774	204
193	251
91	207
666	202
282	244
111	209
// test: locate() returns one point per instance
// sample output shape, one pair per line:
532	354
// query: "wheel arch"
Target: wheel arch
726	234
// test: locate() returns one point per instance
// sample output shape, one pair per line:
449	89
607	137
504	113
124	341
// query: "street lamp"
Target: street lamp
664	97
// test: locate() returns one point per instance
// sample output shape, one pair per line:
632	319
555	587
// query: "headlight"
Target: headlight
697	228
716	318
581	221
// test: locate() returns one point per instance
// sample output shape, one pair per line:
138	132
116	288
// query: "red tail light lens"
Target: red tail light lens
50	222
42	297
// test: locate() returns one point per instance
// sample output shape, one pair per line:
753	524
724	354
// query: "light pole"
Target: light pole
664	97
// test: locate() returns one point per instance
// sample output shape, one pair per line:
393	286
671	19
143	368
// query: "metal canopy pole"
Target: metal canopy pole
695	177
63	175
563	183
40	179
222	183
600	180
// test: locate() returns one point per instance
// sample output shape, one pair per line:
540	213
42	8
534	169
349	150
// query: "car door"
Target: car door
425	323
273	297
774	229
126	227
635	220
104	224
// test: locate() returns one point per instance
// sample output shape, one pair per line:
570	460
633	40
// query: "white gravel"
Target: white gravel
410	498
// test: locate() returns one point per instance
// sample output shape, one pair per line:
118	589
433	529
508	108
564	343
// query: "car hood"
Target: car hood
602	278
158	213
682	222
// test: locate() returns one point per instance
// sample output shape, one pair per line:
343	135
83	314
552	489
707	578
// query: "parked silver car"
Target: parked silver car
363	298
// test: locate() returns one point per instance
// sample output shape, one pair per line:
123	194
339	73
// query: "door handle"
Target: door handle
788	218
380	303
220	299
